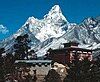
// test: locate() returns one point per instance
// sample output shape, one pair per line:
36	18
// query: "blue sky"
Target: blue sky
14	13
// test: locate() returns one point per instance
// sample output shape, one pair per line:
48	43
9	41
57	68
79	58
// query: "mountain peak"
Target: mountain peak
54	13
56	8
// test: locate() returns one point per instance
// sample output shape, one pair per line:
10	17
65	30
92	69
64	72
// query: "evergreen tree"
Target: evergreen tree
32	55
52	76
83	71
21	47
2	50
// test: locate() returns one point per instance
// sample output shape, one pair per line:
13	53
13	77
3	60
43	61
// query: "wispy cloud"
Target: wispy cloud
3	29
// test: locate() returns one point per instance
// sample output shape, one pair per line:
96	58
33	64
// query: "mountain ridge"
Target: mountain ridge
54	30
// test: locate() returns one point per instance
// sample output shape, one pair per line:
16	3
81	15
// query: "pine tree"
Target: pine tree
33	55
52	76
83	71
2	50
21	47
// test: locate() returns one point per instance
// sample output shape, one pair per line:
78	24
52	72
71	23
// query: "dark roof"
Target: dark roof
70	44
71	49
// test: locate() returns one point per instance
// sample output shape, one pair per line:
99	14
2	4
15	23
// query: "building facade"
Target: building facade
69	53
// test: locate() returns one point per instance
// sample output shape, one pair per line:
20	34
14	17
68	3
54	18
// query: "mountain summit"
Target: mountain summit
52	25
55	13
54	30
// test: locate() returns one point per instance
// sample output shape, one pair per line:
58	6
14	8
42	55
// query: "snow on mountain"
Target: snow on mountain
54	24
84	33
54	30
54	44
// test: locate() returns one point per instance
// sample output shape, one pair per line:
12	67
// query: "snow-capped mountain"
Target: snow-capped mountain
54	30
53	25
